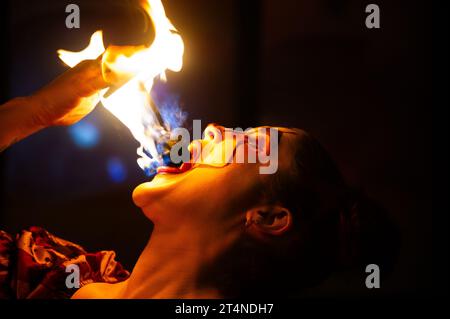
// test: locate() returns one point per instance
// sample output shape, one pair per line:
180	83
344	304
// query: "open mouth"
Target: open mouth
174	169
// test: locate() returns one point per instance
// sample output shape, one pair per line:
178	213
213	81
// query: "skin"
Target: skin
197	216
64	101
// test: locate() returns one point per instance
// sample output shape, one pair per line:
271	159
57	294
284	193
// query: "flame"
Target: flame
92	52
131	103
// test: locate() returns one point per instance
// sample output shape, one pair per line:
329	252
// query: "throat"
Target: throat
170	267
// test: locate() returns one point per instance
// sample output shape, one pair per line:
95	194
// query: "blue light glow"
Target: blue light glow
84	134
116	170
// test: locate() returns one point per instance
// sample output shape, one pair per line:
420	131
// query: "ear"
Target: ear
272	220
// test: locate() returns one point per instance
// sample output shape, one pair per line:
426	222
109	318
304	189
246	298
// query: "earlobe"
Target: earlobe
272	220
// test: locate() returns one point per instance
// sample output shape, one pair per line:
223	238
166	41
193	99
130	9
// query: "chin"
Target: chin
146	198
162	184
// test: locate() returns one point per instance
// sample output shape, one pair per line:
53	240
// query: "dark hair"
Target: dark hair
334	227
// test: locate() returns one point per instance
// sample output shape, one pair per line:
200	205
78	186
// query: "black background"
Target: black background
365	93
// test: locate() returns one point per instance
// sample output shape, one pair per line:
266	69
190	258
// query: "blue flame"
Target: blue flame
152	169
169	106
173	116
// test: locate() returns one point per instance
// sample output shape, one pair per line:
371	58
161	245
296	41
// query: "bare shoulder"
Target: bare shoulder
100	291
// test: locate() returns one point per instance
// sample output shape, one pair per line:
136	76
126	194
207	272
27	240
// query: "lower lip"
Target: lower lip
174	170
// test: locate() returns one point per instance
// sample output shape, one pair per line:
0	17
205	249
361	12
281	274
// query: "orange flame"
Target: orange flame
131	102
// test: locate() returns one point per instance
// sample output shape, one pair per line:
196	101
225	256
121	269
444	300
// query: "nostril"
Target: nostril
221	129
214	133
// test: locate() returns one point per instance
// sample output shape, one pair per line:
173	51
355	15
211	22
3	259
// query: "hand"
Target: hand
70	97
114	72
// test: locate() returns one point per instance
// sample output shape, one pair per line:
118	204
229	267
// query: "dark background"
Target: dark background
365	93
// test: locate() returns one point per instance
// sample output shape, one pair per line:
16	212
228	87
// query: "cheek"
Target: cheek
240	183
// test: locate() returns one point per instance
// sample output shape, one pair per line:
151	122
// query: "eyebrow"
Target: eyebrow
281	131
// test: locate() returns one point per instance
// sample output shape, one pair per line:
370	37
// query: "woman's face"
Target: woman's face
213	189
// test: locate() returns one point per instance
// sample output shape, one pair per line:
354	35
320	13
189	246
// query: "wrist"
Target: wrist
18	119
33	108
36	106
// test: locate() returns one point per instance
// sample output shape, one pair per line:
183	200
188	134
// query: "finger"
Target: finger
114	72
87	78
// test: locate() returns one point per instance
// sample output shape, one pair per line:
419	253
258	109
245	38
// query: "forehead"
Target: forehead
288	139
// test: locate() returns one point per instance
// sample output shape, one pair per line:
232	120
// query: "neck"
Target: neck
170	266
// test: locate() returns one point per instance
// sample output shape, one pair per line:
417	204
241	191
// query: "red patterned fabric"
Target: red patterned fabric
34	265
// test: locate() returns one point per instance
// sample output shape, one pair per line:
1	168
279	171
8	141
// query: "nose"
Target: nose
214	133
